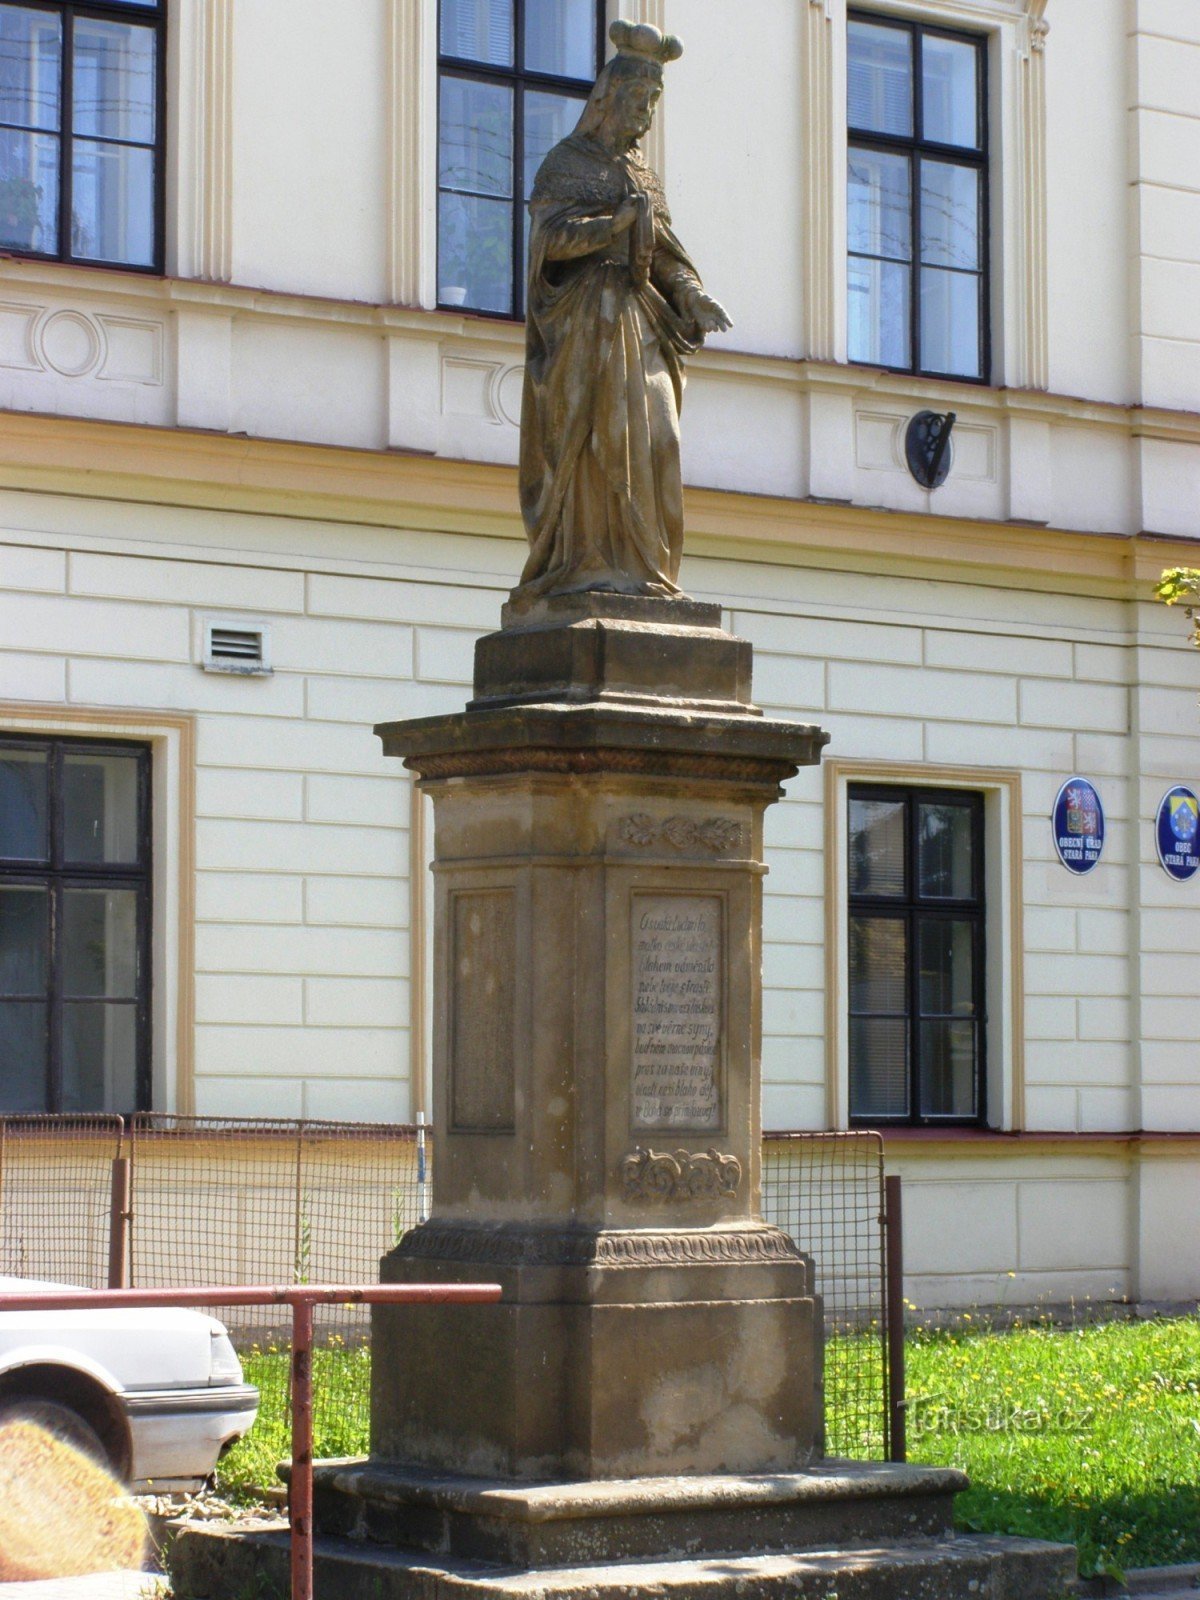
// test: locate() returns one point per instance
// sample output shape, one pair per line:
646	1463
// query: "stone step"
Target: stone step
1147	1583
214	1562
538	1525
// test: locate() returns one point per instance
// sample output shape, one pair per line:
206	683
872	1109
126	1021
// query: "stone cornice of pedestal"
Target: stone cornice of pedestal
597	739
516	1244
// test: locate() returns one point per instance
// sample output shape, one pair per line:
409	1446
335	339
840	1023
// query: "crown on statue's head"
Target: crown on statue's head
643	43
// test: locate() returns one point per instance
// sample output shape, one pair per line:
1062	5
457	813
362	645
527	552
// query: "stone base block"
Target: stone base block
596	658
542	1525
215	1561
594	1372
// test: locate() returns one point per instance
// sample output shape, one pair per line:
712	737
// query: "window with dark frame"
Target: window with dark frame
74	925
917	200
513	77
916	937
81	131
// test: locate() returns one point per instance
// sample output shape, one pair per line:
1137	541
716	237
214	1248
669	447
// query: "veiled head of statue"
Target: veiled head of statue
621	105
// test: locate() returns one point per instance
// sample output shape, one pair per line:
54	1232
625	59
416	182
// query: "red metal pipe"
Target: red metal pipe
240	1295
300	1483
302	1300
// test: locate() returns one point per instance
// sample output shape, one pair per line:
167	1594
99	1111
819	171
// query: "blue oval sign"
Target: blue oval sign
1175	833
1078	825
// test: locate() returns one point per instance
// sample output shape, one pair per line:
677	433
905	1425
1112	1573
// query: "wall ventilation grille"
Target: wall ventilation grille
236	649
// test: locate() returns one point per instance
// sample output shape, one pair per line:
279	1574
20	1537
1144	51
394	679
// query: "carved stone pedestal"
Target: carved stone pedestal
641	1412
598	861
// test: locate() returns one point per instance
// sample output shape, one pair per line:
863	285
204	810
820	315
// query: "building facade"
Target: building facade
260	370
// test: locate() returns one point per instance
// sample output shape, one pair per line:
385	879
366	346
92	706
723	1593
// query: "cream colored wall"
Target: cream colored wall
303	959
959	675
301	199
302	823
309	147
1087	214
301	845
1164	161
1033	1228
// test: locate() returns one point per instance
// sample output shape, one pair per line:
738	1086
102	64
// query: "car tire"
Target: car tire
60	1421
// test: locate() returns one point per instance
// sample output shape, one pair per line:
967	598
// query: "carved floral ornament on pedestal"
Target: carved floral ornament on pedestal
714	834
680	1175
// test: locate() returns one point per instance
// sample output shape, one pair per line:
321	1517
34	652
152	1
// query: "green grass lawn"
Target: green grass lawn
1090	1436
341	1390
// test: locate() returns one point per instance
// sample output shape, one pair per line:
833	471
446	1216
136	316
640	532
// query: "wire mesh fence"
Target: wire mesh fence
55	1192
218	1201
826	1191
239	1201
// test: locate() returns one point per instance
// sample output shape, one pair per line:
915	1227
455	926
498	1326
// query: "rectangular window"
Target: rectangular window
81	144
512	81
74	926
916	958
917	200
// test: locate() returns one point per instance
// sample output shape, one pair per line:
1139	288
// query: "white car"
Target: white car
156	1394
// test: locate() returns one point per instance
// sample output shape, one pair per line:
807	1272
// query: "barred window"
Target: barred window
74	925
916	929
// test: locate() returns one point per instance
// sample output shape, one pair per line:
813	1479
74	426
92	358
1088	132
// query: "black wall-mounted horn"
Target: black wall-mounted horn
927	447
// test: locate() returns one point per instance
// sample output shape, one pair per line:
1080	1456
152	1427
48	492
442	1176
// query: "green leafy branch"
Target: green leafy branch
1181	586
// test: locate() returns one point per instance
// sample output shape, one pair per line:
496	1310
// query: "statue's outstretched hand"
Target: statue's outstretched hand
709	315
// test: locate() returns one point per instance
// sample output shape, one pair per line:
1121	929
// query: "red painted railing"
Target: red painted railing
302	1300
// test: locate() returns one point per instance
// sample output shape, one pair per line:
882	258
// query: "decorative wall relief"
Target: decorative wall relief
489	391
410	25
714	834
212	198
69	343
135	350
16	336
79	344
680	1175
879	446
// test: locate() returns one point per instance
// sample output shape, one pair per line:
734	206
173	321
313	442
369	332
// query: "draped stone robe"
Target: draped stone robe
607	327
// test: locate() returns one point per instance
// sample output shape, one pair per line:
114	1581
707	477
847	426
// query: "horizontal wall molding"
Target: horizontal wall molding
485	336
176	466
914	1145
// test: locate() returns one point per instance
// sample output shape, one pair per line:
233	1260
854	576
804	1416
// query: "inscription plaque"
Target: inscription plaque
483	998
677	980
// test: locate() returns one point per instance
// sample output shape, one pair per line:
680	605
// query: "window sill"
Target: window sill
996	1141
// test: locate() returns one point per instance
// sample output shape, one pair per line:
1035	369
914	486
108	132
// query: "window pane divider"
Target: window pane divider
476	194
104	138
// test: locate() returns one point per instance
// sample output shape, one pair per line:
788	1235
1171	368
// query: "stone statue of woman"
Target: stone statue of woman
614	306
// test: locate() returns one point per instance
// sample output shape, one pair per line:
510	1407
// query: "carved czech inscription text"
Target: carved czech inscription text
677	981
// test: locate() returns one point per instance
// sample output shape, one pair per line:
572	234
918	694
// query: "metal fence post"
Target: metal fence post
120	1215
894	1248
300	1481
